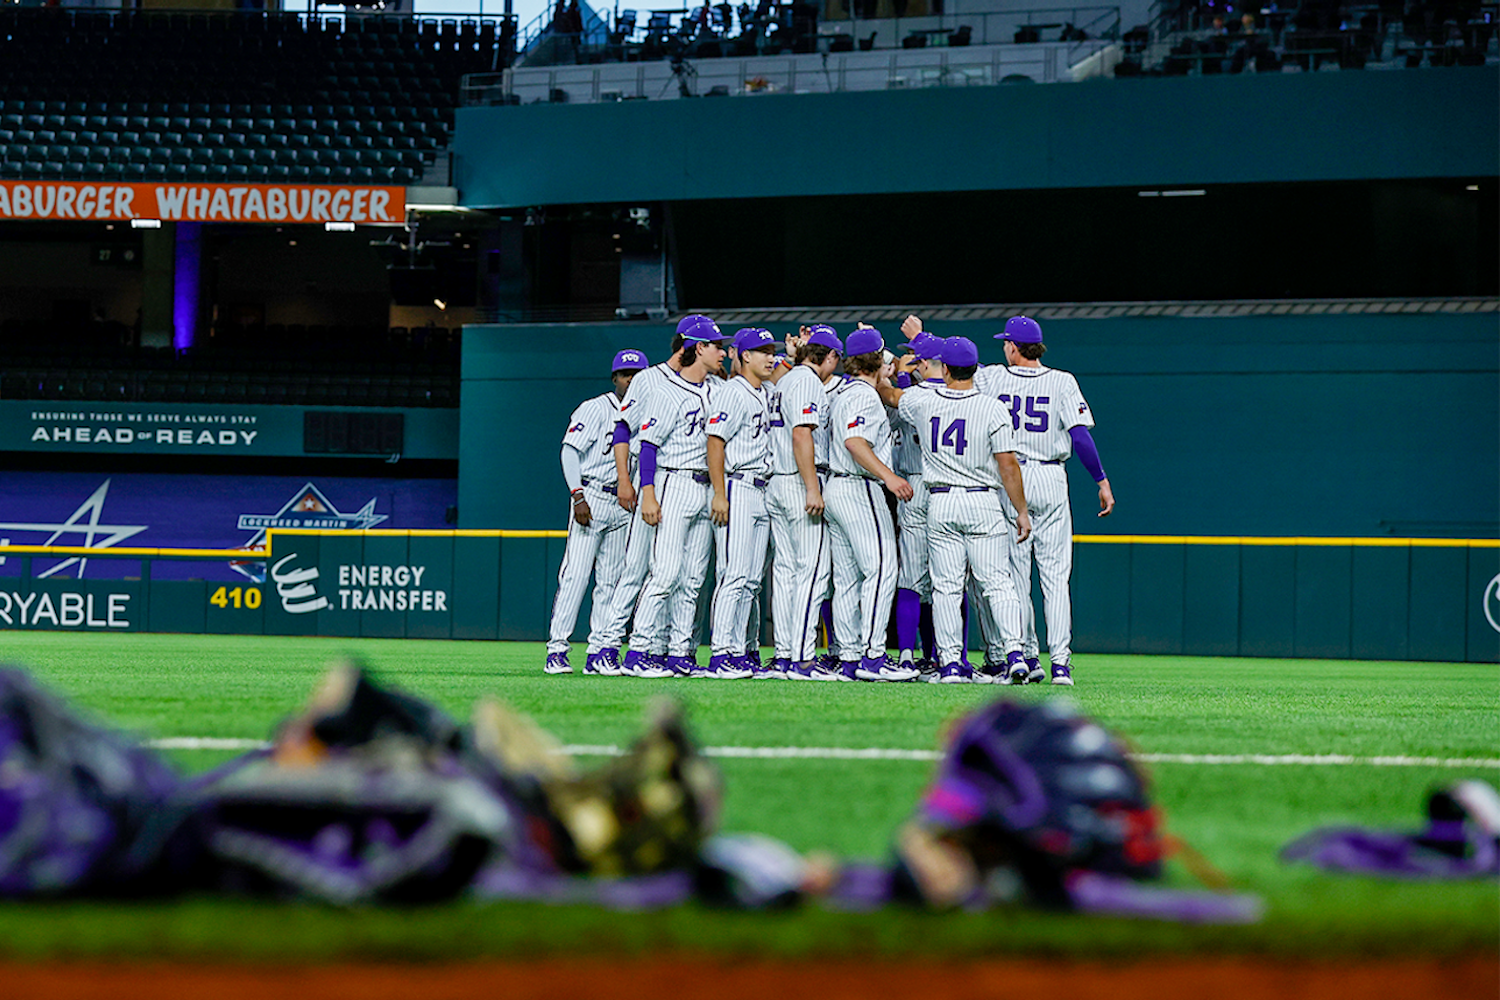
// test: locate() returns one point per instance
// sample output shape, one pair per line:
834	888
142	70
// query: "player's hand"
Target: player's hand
581	513
862	325
911	326
907	364
814	505
1023	525
626	495
719	510
650	511
1106	498
900	487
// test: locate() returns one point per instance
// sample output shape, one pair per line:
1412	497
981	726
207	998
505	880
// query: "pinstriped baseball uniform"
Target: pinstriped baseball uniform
639	535
907	453
676	422
862	535
742	420
801	567
967	528
598	548
1044	403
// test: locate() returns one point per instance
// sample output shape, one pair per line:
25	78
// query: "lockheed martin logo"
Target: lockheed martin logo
308	508
84	523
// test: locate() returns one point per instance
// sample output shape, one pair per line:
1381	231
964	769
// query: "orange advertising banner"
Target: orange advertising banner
285	203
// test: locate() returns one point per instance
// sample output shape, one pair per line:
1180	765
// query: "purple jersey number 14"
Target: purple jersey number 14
953	437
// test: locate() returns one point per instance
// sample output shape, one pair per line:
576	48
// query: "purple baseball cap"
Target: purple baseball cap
687	322
751	338
825	336
1021	330
864	341
630	360
926	346
959	352
701	331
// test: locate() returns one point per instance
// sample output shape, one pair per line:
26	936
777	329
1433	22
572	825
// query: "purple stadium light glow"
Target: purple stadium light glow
185	274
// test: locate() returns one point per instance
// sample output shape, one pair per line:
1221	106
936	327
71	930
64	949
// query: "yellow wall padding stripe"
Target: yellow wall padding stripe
242	554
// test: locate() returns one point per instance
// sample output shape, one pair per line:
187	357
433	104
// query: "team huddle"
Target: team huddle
863	485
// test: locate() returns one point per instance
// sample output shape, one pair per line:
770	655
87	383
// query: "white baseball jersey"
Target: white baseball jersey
802	402
638	399
906	449
590	432
742	420
597	550
675	421
858	412
1044	404
960	432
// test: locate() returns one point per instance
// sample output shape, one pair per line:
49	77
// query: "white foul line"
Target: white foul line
880	753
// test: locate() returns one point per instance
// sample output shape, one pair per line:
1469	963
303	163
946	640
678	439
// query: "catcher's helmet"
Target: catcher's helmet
1046	790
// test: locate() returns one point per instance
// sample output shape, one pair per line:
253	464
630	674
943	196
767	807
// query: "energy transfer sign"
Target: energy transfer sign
360	204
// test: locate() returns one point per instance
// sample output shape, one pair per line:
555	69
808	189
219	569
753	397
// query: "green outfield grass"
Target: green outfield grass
1238	815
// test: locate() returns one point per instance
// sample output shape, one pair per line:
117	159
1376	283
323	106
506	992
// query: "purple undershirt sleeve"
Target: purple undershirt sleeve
648	463
622	433
1087	451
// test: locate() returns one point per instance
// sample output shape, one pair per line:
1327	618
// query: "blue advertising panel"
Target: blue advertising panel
199	512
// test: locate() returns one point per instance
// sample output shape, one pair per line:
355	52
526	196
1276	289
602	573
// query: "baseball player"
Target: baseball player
799	456
637	562
739	470
913	583
968	457
1050	420
862	536
675	499
597	531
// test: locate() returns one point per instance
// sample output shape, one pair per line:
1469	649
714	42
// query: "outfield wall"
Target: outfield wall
1393	599
1340	424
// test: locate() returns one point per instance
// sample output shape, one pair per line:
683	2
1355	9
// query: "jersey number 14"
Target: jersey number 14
953	437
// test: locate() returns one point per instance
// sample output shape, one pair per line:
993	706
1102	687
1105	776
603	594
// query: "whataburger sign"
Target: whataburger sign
201	202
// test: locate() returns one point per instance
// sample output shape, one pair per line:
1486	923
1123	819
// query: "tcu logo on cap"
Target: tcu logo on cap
630	356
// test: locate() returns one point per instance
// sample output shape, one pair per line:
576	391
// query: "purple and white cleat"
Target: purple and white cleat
1062	673
953	673
603	663
557	663
1034	672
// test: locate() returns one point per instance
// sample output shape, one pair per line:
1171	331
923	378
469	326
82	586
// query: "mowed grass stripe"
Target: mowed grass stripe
890	753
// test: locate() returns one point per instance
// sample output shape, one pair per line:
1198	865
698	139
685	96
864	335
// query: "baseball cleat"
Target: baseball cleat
752	661
681	666
557	663
802	671
634	660
848	671
1016	670
991	673
776	671
599	665
653	665
1034	672
738	667
611	658
880	668
1062	674
953	673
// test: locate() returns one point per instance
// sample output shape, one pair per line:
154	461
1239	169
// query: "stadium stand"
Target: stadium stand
249	96
344	366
